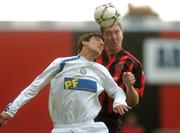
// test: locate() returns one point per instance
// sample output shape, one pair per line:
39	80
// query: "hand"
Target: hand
128	78
4	118
121	109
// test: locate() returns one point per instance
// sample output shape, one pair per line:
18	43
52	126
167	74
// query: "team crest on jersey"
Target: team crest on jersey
83	70
119	65
80	84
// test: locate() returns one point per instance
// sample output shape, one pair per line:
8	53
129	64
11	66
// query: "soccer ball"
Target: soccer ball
106	15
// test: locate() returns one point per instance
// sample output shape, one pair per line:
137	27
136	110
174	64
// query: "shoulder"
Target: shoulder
100	67
65	59
61	60
132	58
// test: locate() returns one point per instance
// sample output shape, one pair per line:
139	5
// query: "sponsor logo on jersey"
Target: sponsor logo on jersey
80	84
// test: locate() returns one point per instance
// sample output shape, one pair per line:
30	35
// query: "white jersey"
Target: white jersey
75	85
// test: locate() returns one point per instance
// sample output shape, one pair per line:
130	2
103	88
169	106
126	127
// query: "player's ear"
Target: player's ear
85	43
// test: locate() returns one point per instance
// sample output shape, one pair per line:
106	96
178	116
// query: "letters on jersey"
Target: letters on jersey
80	84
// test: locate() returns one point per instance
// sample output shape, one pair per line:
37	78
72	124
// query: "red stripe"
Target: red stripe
111	61
130	68
117	72
99	59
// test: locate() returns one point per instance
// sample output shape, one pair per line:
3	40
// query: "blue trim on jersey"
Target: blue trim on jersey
80	84
62	64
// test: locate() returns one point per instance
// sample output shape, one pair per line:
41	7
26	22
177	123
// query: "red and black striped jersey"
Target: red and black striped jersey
123	61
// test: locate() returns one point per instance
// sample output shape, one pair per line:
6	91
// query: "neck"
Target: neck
113	52
88	55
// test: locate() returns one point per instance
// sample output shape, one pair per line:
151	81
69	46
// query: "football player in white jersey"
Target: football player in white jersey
75	83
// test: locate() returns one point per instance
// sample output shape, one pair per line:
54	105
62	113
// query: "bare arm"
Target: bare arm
131	93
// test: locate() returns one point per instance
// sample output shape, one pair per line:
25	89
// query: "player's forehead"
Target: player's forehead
96	37
113	28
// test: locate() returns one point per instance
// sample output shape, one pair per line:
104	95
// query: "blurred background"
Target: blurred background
33	33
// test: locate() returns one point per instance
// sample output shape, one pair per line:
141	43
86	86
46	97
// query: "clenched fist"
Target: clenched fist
128	78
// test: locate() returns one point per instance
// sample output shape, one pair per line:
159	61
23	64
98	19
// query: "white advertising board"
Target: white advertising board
161	58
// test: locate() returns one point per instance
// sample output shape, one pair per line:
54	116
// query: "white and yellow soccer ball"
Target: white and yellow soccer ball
106	15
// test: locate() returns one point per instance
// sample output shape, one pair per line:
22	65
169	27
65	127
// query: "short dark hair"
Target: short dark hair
102	28
87	37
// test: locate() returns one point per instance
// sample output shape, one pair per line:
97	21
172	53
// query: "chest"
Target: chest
118	65
79	75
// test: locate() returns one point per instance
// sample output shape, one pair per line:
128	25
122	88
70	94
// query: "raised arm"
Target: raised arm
29	92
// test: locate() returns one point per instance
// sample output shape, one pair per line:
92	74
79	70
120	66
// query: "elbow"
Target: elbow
133	103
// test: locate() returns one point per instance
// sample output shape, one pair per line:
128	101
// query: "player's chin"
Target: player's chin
98	52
